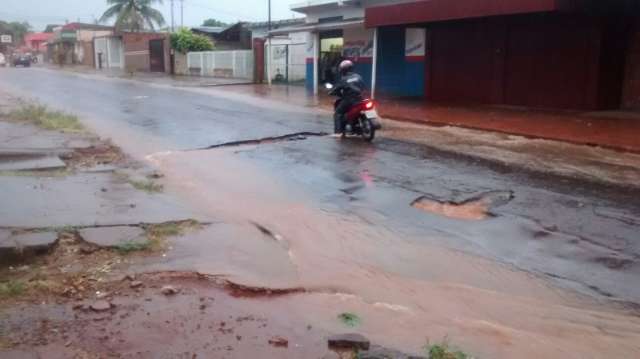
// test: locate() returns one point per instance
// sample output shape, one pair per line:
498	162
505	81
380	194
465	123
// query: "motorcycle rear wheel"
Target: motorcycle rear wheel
367	130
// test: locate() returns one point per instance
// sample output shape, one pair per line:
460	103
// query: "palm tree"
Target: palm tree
133	15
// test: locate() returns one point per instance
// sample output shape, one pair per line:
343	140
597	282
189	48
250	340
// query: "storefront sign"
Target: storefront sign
6	39
68	35
415	44
358	44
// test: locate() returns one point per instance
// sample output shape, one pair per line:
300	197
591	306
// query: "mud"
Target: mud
142	322
100	154
475	208
343	209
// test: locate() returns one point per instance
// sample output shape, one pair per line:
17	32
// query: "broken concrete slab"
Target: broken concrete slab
78	200
113	236
13	247
25	161
14	135
31	241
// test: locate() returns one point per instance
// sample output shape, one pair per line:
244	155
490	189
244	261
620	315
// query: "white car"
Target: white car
3	60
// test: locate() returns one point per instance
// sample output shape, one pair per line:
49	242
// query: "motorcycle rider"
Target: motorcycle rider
349	89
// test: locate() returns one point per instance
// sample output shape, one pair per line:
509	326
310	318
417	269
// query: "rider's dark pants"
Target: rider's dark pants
343	106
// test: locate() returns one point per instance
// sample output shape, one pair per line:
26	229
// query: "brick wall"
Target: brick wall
631	94
136	51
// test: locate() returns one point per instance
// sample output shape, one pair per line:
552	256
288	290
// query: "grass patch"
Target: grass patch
444	351
156	235
148	186
350	319
170	229
12	289
133	246
42	117
44	173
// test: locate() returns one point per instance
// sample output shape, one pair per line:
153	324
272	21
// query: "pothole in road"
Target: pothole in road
298	136
476	208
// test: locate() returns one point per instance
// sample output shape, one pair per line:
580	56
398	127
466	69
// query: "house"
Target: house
563	54
335	30
285	61
233	37
134	52
579	54
147	51
73	43
37	41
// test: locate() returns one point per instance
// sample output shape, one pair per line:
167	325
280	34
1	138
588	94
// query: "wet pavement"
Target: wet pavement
482	257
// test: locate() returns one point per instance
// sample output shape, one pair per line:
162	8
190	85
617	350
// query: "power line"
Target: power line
219	11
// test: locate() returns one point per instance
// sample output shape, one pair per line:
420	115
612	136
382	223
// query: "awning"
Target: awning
441	10
319	26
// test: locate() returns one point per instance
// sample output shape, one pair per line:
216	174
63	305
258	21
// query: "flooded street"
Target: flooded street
423	244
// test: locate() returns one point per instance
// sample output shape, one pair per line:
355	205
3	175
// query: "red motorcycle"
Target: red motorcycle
362	119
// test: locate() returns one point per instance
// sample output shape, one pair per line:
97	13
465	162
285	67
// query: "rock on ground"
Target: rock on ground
349	341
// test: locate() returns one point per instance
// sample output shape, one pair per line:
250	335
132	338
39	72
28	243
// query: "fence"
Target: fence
231	64
288	62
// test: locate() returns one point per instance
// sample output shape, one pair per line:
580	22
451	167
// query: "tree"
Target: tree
17	29
186	41
214	23
133	15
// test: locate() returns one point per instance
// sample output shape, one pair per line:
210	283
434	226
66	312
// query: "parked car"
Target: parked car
3	60
22	60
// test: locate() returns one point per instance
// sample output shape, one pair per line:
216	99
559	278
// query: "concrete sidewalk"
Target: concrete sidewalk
154	77
617	130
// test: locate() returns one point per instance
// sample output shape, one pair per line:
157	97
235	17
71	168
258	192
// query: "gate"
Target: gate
287	63
228	64
156	55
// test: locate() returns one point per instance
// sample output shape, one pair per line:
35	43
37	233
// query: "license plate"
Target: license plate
371	114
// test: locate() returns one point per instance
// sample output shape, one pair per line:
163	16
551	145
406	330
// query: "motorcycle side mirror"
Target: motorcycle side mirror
328	86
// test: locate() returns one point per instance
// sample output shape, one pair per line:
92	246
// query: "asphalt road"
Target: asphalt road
573	233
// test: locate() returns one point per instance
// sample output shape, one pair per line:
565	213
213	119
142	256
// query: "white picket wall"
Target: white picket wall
232	64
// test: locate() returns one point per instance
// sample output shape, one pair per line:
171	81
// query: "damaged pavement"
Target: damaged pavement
222	209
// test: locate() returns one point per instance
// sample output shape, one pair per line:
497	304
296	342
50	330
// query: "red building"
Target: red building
573	54
37	41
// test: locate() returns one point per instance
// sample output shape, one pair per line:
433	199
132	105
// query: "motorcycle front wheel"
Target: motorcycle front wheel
367	130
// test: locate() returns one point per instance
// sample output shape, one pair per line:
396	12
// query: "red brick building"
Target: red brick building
147	52
573	54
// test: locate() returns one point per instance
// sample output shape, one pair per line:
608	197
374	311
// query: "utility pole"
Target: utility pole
269	53
172	20
181	13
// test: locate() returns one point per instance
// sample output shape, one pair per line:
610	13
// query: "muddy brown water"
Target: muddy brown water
364	250
400	287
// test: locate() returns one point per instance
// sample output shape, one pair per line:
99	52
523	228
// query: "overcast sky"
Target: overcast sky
39	13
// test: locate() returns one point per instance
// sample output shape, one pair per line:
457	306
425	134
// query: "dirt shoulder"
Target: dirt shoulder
84	215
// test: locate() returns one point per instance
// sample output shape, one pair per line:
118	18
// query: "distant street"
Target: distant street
388	222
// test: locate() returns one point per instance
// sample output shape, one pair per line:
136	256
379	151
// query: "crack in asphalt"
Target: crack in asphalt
296	136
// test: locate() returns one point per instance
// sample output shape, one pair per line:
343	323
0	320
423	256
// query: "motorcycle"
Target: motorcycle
361	119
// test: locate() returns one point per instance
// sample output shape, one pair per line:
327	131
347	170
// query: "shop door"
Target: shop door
551	62
156	54
463	66
331	44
